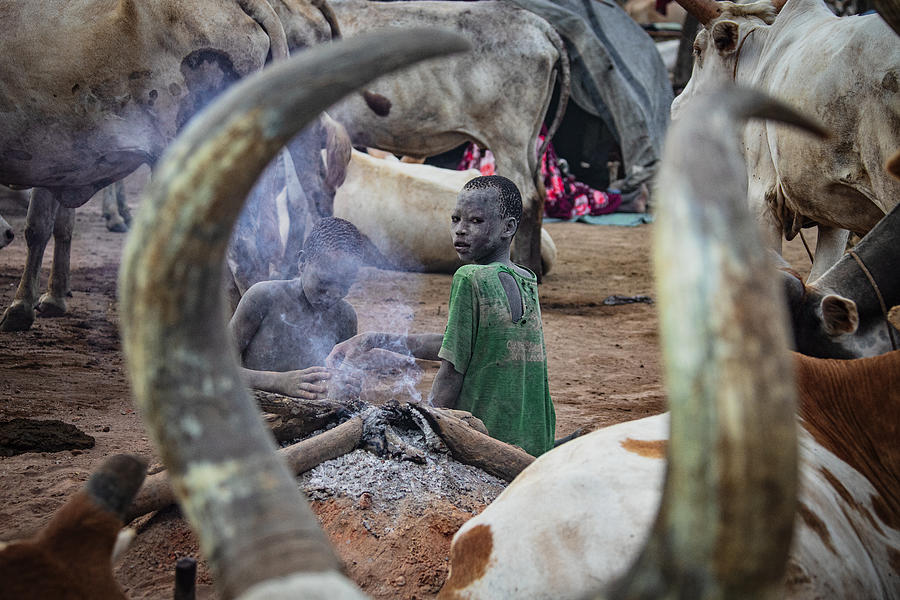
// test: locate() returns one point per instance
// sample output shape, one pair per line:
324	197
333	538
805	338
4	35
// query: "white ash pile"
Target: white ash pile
353	449
412	464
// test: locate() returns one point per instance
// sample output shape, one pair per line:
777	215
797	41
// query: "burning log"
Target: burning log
454	431
292	418
157	494
470	446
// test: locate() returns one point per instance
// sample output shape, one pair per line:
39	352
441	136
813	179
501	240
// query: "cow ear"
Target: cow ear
839	315
725	35
894	317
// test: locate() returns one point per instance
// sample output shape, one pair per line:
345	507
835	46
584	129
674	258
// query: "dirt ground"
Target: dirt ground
604	369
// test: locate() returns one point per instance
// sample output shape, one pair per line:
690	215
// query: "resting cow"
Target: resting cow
575	519
846	72
404	209
92	89
496	95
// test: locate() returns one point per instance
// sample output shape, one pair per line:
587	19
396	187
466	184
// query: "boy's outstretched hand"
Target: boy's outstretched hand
348	350
309	384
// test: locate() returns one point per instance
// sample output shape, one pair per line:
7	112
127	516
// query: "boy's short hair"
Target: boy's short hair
332	234
507	192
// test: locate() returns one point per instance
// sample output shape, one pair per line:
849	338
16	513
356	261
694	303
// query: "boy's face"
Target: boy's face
479	234
328	277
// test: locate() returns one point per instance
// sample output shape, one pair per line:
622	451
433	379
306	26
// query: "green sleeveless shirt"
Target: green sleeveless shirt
503	362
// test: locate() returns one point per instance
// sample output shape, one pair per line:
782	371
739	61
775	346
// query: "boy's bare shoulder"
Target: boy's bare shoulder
267	293
269	288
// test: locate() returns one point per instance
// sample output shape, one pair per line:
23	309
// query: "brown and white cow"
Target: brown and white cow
496	95
575	519
844	71
92	89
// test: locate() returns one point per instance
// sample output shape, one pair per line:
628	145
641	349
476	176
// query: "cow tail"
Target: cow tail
263	13
563	76
330	18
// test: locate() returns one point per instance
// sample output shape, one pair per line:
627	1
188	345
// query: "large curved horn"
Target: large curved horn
254	526
726	517
702	10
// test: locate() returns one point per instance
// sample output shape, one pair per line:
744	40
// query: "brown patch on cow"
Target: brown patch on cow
646	448
848	499
893	167
852	409
817	525
380	105
889	82
894	558
795	575
469	558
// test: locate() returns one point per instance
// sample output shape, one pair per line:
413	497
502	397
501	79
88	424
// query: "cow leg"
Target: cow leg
527	243
526	249
296	211
830	245
115	211
38	226
6	233
53	302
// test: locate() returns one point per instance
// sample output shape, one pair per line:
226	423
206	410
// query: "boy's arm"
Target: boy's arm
247	317
308	384
421	345
447	386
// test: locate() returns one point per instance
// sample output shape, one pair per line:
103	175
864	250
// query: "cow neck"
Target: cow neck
879	252
878	296
737	53
852	408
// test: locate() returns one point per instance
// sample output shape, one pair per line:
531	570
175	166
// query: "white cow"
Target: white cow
404	208
92	89
495	95
846	72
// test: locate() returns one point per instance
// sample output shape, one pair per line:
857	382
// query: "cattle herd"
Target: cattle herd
775	474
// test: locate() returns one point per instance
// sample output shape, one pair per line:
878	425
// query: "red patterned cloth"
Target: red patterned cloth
566	197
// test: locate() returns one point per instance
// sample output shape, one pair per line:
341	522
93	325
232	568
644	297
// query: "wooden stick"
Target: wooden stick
470	446
156	493
292	418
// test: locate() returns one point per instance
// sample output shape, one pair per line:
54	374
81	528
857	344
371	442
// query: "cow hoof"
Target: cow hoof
116	225
50	306
18	317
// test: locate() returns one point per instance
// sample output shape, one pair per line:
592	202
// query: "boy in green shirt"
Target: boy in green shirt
492	353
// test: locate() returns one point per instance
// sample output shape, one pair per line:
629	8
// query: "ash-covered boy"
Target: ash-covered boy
492	353
285	329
